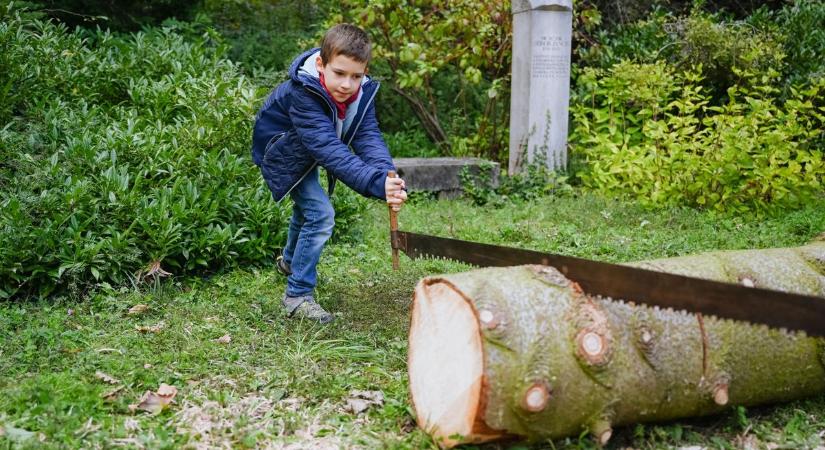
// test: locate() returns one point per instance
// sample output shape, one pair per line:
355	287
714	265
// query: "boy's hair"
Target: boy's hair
348	40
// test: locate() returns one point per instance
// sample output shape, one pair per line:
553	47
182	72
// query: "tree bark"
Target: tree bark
523	352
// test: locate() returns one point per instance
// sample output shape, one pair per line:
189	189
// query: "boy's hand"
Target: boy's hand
394	190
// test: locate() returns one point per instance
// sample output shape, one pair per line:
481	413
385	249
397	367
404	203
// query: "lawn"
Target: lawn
248	377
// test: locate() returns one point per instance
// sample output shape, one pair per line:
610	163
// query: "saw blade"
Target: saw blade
697	295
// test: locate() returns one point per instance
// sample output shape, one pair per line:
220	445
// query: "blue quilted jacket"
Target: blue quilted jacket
297	128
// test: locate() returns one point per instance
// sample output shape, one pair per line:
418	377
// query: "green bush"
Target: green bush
265	33
648	131
730	53
723	49
803	27
122	153
645	40
410	143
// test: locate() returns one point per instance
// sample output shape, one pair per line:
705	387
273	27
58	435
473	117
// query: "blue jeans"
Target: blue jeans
309	229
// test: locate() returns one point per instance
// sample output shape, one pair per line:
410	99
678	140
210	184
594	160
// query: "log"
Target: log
522	352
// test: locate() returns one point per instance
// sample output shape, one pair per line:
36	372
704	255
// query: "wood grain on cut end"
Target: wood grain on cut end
446	364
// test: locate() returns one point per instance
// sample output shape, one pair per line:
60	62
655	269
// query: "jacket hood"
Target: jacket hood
303	69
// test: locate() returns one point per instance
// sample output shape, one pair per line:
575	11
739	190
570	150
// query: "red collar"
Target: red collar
341	107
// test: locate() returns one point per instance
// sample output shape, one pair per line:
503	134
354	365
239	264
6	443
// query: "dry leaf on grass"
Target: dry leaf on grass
131	424
155	402
360	401
137	309
291	404
17	435
106	378
110	395
109	350
151	329
225	339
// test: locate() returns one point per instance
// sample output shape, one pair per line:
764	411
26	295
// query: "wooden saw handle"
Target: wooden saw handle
393	226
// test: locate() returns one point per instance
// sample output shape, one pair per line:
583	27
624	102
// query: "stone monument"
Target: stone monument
542	33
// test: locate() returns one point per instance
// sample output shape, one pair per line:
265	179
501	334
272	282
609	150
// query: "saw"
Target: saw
725	300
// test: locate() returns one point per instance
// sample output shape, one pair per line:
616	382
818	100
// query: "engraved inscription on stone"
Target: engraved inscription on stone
551	57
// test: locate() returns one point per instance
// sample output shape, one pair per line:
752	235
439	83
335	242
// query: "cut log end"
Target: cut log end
446	364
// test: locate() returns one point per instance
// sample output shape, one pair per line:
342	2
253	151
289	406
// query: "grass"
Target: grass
284	384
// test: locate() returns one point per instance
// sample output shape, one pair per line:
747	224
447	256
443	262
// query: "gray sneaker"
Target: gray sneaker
305	307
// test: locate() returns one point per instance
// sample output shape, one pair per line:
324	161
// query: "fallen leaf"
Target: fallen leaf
357	405
110	395
155	402
152	329
360	401
87	429
106	378
16	434
291	404
225	339
166	390
109	350
131	424
154	271
137	309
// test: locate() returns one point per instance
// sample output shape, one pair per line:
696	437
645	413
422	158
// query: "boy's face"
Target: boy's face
342	75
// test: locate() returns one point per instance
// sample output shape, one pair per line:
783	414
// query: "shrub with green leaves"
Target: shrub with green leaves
125	152
648	131
723	49
803	27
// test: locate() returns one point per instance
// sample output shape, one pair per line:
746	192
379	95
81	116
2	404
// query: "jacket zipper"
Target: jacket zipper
355	130
352	135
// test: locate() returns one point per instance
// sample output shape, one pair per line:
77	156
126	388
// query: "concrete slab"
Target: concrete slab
441	175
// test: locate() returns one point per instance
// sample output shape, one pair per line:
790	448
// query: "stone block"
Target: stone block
441	175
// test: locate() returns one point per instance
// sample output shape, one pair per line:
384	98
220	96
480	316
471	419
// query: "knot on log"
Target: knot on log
550	275
593	338
717	388
490	316
647	332
747	281
814	254
493	321
602	431
645	338
720	394
536	397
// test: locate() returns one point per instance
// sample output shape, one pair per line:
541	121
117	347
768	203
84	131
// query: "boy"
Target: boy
326	106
